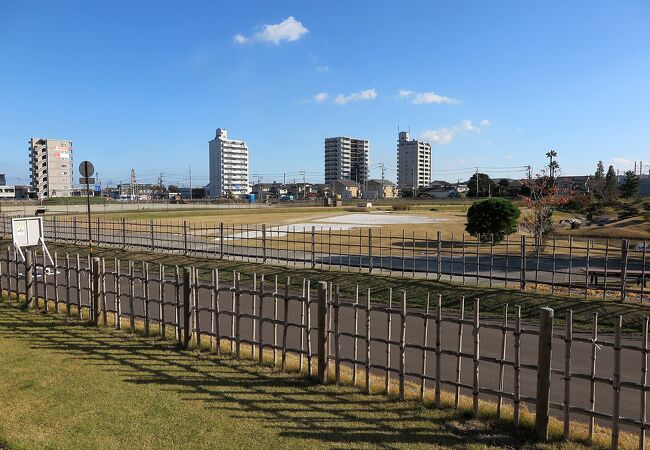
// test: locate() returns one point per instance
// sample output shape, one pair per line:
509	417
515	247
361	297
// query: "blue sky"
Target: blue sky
144	85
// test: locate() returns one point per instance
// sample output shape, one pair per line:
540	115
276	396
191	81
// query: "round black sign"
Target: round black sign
86	169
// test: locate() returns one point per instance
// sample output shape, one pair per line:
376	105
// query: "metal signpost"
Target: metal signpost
86	169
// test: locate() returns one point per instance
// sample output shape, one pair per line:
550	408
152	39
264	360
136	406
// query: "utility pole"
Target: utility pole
383	193
190	183
529	172
477	182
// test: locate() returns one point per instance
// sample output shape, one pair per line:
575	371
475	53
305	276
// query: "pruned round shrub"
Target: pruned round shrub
492	218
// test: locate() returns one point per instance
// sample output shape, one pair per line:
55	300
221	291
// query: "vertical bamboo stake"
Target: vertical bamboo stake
337	343
56	283
587	272
402	346
323	332
458	352
567	372
367	363
103	282
491	257
161	297
216	316
237	323
78	274
423	383
131	298
275	321
260	323
118	295
67	284
302	327
145	273
616	381
504	332
517	368
644	384
570	261
388	337
475	383
177	286
554	267
309	349
464	258
285	322
196	307
438	349
254	295
355	350
592	374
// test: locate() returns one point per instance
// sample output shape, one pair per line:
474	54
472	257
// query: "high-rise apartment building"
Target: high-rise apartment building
346	159
51	167
413	162
228	166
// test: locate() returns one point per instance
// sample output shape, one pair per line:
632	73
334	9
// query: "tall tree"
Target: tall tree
631	185
552	165
485	186
597	183
610	190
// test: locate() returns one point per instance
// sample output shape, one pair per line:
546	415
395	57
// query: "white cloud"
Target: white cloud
443	136
622	163
439	136
427	98
403	93
486	123
321	97
368	94
240	38
469	126
288	30
323	69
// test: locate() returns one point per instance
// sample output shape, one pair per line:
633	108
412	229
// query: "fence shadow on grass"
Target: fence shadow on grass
293	405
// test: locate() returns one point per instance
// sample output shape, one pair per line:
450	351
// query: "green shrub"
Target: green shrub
492	218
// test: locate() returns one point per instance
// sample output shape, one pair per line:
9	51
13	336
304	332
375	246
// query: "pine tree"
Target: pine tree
600	171
610	192
630	187
597	183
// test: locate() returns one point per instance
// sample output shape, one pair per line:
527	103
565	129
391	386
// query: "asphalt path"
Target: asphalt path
490	341
480	269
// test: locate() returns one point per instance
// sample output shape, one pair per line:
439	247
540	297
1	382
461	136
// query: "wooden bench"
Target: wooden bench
641	276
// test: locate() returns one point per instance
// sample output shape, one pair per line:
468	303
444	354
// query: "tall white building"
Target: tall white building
346	158
50	162
228	166
413	162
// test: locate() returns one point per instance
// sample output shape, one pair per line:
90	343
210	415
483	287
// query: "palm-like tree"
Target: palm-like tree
552	165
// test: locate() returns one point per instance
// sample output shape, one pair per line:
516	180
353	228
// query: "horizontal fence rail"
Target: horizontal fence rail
380	346
607	268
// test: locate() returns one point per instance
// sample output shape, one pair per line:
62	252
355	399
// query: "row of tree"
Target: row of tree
606	189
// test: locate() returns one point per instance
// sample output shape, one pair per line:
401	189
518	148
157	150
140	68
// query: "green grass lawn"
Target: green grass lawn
64	384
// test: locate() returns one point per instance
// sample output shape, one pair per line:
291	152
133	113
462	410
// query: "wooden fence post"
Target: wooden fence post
370	250
29	279
323	320
616	382
185	237
624	252
123	232
263	243
544	373
187	308
96	290
522	257
221	240
313	247
438	254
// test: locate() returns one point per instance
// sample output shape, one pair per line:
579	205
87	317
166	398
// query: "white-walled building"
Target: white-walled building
413	162
228	166
346	158
50	162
